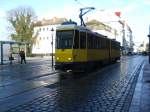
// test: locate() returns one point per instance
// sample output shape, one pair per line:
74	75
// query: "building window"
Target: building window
40	29
47	38
43	29
47	29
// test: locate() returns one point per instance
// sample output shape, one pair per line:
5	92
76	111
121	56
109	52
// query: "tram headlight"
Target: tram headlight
57	58
69	59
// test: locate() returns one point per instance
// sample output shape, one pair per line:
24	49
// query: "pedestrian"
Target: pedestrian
11	58
22	55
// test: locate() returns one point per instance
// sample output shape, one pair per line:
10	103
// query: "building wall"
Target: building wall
43	39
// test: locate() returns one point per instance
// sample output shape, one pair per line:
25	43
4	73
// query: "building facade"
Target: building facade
45	36
112	26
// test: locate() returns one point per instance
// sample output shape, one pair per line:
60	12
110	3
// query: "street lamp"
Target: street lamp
1	52
149	43
52	30
122	22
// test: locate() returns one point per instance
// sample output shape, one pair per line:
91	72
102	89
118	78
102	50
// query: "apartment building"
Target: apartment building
44	31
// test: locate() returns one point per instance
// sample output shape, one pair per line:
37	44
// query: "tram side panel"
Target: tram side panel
97	49
115	50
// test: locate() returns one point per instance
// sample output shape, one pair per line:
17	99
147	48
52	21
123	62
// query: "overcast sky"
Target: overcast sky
134	12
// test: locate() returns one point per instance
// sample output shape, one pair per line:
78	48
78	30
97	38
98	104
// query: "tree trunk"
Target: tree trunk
29	50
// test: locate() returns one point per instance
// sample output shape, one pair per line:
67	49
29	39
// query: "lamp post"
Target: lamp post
1	46
52	30
149	43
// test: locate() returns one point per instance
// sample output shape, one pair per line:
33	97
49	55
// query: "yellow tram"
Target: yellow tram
78	48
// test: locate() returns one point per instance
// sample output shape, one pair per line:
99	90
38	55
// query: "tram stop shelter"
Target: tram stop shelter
10	49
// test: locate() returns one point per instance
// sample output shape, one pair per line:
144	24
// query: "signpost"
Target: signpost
52	30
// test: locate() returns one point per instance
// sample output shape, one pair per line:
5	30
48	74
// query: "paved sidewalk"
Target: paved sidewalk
39	57
141	98
28	59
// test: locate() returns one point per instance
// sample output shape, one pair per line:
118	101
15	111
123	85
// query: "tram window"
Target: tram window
76	40
64	39
113	45
94	42
97	43
118	46
82	40
102	43
107	44
90	40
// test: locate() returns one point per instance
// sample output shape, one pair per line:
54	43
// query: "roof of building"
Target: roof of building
97	25
53	21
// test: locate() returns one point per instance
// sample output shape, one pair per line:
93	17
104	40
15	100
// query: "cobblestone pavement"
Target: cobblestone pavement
108	90
16	78
17	72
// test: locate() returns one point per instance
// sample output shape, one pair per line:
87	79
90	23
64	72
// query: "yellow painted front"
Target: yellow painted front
63	55
71	55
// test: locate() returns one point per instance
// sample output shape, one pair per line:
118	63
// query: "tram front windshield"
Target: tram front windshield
64	39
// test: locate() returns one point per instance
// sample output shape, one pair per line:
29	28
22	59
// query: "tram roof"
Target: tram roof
80	28
69	27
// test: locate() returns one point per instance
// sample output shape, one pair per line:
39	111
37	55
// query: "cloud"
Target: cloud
2	13
3	25
146	2
2	19
131	7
